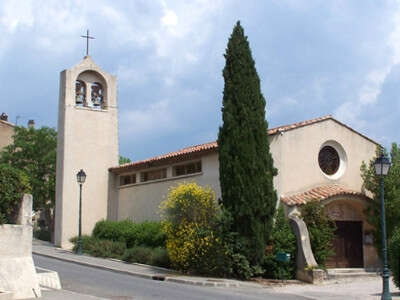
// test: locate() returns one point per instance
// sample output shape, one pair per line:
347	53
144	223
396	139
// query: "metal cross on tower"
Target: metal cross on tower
87	37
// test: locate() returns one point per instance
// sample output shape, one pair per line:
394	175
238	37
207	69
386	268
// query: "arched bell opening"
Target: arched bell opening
91	90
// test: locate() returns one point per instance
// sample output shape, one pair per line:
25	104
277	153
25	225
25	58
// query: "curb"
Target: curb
156	277
203	283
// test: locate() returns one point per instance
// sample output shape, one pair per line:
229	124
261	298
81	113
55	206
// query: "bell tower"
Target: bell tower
88	140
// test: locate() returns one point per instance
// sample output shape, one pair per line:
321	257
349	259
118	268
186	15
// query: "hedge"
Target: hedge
147	234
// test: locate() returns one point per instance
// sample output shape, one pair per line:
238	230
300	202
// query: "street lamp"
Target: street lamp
382	165
80	177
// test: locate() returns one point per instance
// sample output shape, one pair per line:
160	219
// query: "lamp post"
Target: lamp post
382	165
80	177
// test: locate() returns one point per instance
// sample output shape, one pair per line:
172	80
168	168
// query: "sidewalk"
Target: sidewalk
144	271
365	289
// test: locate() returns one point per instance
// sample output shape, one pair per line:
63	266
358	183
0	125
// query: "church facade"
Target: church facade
318	159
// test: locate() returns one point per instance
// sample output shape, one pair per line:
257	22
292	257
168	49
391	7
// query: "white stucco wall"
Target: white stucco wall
295	153
297	161
88	140
140	202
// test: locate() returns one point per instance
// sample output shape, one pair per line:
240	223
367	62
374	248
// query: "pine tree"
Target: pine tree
246	165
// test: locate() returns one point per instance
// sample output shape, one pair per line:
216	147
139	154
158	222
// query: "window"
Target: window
329	160
153	175
127	179
190	168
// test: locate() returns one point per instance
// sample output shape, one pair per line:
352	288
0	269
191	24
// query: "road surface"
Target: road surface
78	281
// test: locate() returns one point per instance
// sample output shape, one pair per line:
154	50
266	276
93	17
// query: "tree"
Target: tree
392	196
321	229
34	152
124	160
246	165
282	239
13	185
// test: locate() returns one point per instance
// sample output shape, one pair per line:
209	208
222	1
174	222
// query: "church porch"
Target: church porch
355	253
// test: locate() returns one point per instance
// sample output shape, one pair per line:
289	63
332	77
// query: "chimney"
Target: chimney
31	124
4	117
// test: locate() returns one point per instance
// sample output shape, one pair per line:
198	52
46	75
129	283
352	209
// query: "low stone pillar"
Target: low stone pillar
25	212
307	267
17	271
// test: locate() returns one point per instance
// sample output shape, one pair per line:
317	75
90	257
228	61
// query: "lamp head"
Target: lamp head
382	165
81	176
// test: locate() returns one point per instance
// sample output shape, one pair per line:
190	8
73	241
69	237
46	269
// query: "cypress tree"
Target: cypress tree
245	162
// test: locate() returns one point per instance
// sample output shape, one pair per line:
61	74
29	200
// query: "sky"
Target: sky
313	58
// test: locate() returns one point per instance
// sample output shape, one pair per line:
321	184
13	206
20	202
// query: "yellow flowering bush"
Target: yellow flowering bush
189	214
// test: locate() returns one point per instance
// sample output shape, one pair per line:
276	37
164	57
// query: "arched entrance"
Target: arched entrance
354	237
351	226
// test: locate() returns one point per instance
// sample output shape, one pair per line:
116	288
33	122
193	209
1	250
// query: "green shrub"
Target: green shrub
321	229
229	257
237	265
42	234
138	254
146	255
394	256
13	185
116	231
282	240
190	212
100	248
148	233
160	258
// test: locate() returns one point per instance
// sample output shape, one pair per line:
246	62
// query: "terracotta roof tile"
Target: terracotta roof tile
182	154
195	151
319	193
297	125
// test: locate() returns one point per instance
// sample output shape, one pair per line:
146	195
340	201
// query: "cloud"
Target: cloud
369	93
313	58
156	118
16	14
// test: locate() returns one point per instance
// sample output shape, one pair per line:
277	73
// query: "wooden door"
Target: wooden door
347	245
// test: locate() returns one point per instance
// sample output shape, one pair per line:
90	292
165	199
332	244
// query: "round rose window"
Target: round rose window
329	160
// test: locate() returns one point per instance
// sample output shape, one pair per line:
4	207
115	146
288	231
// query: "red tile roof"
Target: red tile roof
198	150
319	193
171	157
284	128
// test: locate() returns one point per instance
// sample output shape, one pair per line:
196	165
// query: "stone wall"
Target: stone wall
6	133
17	271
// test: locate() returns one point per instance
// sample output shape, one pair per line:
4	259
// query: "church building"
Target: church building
317	159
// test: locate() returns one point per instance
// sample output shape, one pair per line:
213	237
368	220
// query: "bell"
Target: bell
79	99
96	101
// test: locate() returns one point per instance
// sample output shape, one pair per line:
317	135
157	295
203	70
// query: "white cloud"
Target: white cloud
16	14
351	111
169	18
158	117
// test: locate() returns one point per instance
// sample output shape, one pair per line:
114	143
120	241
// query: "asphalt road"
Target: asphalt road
82	280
